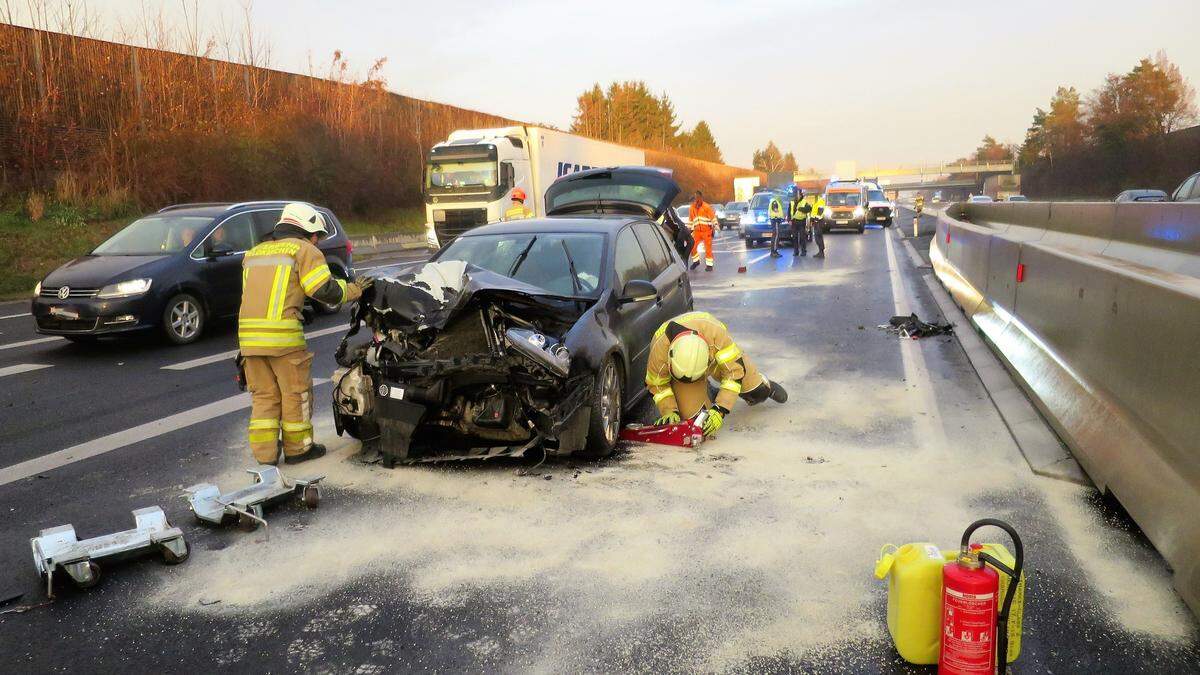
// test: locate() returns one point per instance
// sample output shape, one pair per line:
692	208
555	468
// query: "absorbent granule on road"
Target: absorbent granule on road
760	543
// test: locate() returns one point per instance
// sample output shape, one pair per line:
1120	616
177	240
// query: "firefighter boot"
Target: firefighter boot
315	451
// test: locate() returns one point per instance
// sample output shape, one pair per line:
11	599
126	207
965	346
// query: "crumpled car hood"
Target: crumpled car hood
434	293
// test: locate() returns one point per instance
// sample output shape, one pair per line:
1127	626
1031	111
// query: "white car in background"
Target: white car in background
980	199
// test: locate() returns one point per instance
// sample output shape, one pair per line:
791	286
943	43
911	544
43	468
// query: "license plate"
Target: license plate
768	235
842	222
881	218
64	313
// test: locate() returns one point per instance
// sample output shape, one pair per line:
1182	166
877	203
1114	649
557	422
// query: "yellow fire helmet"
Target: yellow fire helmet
688	355
305	217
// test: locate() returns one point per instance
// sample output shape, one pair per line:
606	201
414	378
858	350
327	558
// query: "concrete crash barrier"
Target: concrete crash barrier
1095	308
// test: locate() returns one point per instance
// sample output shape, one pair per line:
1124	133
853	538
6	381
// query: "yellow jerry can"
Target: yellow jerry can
914	609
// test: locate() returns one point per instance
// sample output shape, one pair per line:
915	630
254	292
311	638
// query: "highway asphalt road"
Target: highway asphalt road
753	554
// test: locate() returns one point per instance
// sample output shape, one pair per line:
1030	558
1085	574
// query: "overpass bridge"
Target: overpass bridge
962	175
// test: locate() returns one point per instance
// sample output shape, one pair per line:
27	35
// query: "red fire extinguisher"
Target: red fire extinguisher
974	625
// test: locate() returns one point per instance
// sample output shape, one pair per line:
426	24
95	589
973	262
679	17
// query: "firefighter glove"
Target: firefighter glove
714	421
364	282
669	418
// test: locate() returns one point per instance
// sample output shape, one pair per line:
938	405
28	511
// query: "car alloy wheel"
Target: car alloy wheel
183	319
610	402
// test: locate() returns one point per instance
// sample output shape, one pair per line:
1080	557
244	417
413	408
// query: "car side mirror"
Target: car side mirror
507	175
638	290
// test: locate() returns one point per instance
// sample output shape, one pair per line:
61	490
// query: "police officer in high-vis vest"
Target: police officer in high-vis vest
518	210
775	213
277	275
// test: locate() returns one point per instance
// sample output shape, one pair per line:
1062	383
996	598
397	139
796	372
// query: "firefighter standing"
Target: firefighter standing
703	220
685	353
518	210
775	213
277	275
801	209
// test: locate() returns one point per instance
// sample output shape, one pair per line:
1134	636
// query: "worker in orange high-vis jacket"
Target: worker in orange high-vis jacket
703	220
277	275
688	350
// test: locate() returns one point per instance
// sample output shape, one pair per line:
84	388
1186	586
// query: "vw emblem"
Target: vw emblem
383	390
64	292
435	200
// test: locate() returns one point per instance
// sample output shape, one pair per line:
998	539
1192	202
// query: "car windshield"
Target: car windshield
762	201
155	235
842	199
453	174
876	196
539	259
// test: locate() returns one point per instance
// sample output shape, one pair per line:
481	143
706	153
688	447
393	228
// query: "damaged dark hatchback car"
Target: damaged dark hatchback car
517	336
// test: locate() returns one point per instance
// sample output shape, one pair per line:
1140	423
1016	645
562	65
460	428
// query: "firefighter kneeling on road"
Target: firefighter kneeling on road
276	277
685	352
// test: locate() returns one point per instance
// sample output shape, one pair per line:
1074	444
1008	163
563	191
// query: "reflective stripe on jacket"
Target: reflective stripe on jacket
702	217
276	278
724	359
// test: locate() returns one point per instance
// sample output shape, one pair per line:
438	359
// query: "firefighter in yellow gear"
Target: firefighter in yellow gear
688	350
518	210
277	276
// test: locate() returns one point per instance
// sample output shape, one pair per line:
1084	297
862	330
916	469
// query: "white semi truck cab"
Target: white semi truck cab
470	177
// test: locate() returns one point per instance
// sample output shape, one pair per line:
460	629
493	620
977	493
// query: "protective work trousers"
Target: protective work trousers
818	233
776	232
702	235
799	236
692	397
280	402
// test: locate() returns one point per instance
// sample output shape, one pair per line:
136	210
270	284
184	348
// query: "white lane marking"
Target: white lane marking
120	439
15	316
925	413
912	253
22	368
225	356
26	343
757	258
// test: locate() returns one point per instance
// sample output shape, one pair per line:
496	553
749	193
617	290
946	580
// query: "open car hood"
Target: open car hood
619	189
429	296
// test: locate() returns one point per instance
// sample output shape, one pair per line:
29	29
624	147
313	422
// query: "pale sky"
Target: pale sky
875	81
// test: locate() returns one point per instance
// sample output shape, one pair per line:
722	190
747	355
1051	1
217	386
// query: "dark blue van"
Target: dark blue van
173	271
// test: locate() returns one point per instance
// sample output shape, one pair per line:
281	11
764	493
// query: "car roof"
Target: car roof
598	223
214	209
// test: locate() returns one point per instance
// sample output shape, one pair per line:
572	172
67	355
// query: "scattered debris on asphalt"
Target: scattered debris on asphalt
912	327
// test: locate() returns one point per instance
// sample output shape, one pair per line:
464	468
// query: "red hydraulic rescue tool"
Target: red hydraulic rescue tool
685	434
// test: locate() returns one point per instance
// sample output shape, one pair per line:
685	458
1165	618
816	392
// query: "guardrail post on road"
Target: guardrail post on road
1095	309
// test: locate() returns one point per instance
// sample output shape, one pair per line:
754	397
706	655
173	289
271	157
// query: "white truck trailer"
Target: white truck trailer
470	177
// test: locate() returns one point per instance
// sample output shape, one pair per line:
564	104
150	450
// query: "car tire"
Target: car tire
607	405
862	228
183	319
